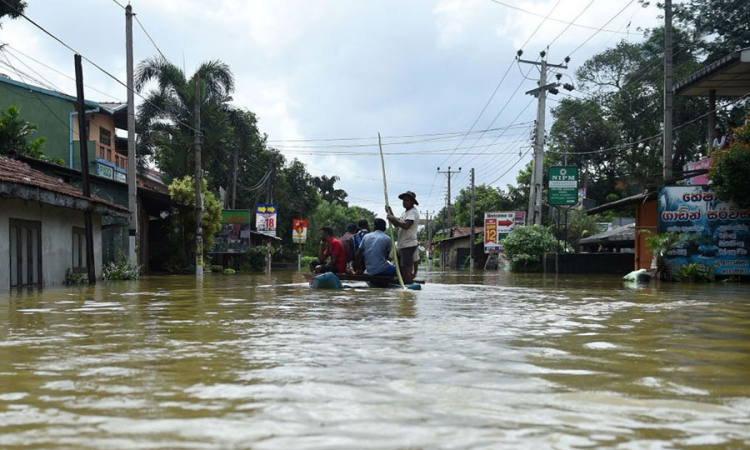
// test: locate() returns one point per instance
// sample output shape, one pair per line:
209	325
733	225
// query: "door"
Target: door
25	253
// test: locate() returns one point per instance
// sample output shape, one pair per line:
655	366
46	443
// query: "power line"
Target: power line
541	23
553	19
149	37
601	29
570	24
15	50
48	33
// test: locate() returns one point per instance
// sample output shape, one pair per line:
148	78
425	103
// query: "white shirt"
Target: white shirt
719	143
408	238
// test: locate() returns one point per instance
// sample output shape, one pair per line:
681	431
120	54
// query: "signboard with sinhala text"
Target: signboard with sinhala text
497	225
563	185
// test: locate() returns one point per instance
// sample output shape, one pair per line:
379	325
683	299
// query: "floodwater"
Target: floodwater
482	361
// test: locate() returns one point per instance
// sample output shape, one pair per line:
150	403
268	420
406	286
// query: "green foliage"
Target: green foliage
580	225
217	268
255	260
306	260
229	271
486	198
121	269
730	170
75	278
12	8
182	232
659	245
525	246
717	24
696	272
15	134
328	191
336	216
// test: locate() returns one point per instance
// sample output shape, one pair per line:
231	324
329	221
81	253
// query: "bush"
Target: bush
217	268
229	271
525	246
729	175
254	260
121	269
306	260
75	278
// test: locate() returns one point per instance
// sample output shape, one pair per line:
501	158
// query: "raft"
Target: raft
333	281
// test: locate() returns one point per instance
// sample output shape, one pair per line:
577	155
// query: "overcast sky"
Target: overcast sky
331	69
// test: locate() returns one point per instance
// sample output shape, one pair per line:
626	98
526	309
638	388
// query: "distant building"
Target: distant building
455	249
42	231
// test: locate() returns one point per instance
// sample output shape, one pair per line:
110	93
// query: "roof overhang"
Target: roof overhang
729	77
623	202
32	193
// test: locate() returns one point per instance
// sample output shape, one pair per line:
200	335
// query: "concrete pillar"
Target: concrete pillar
711	117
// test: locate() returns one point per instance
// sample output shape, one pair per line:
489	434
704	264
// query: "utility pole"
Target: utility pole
198	181
471	241
668	90
534	216
132	167
83	141
449	173
429	242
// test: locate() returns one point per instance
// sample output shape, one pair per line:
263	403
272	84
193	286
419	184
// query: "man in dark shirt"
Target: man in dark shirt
347	240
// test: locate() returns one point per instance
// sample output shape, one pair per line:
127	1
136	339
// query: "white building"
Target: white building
42	227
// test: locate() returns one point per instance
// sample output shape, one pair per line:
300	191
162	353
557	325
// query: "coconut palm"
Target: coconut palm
165	120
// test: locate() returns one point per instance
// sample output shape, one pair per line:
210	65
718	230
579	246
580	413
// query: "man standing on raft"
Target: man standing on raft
408	225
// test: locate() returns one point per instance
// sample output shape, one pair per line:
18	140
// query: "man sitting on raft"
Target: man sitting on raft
329	247
375	248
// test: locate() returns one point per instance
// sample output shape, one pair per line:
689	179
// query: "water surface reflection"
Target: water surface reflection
482	360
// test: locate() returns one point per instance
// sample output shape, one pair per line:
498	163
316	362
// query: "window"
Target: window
105	137
101	152
79	250
25	253
88	130
109	155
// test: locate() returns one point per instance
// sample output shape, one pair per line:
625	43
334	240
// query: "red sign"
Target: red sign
299	231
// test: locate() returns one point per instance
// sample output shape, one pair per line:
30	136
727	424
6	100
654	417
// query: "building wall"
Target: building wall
51	119
645	219
57	237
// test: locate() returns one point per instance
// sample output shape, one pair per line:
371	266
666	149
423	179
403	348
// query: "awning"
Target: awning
729	77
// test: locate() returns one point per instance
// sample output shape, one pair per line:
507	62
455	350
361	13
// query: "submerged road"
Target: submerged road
471	361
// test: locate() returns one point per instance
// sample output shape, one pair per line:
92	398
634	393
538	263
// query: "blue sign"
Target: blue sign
716	233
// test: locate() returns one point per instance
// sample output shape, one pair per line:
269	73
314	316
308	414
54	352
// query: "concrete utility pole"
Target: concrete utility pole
83	141
132	166
429	242
471	241
534	216
668	90
449	173
198	180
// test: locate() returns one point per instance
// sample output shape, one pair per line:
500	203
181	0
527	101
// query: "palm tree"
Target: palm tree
165	120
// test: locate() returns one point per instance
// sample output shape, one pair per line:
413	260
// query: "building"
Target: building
42	231
56	115
455	250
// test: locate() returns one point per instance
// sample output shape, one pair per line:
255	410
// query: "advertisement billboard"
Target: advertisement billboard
265	218
299	231
234	235
716	234
497	225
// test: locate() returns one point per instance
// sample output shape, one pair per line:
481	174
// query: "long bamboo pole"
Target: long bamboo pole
390	211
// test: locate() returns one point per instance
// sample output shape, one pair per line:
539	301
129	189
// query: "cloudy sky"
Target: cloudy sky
320	73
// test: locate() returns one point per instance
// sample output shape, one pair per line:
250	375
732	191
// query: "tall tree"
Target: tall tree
164	120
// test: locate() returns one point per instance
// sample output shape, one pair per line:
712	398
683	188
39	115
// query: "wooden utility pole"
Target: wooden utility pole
668	90
198	181
534	216
449	173
132	166
83	141
429	242
234	174
471	240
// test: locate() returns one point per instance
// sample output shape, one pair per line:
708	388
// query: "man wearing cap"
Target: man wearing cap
408	225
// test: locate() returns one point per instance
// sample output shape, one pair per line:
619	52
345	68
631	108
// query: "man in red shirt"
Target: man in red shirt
330	247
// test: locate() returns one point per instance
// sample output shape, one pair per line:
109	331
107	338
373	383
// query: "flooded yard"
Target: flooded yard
471	361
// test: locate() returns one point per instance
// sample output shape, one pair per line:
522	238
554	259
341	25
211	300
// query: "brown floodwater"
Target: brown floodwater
471	361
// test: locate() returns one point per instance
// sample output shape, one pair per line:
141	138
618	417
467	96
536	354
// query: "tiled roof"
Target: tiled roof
17	172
